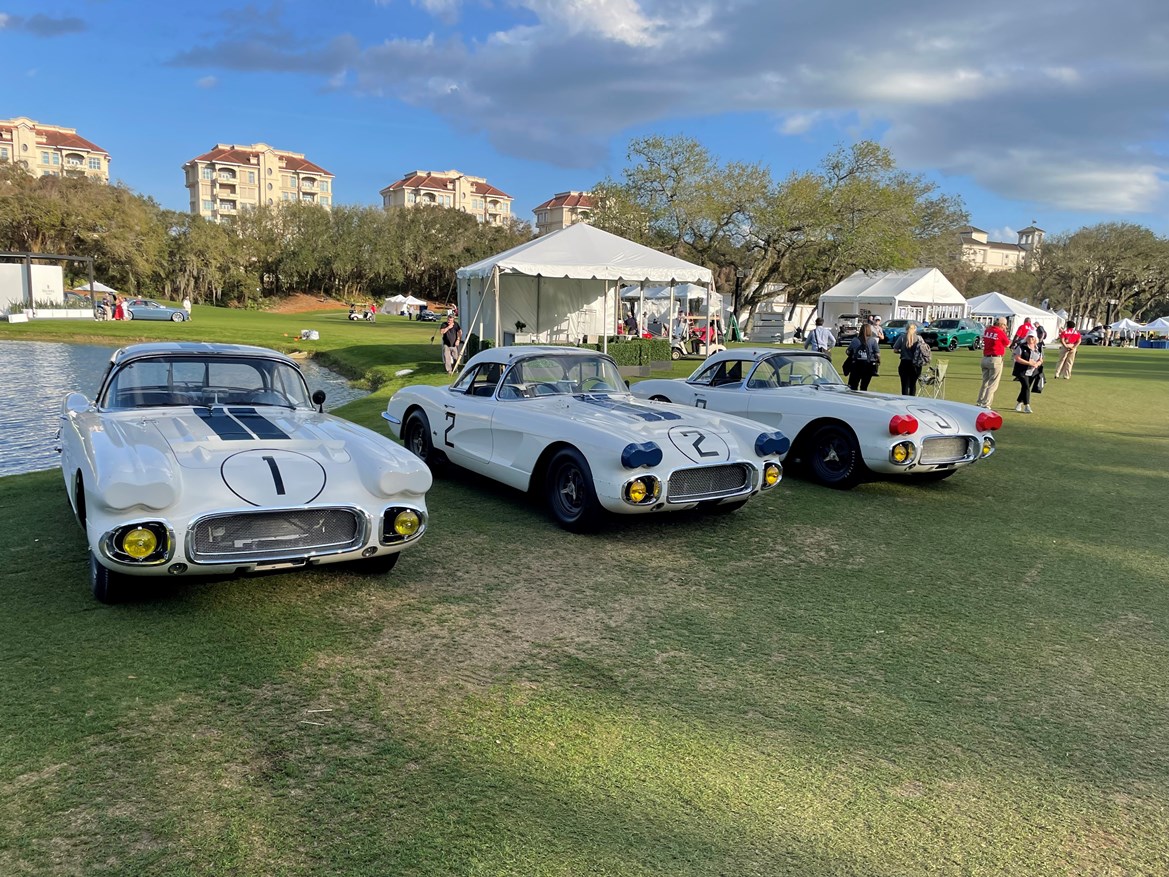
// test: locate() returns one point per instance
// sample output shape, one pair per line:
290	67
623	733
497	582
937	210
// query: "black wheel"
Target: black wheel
571	496
416	437
953	343
379	565
834	457
108	587
976	344
675	353
176	317
658	399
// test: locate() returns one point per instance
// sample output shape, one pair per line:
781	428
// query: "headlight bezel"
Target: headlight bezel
112	543
388	531
653	490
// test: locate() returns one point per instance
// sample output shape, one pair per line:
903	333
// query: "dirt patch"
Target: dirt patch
301	302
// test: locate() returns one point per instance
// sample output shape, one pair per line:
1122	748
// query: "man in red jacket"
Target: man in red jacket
995	342
1069	343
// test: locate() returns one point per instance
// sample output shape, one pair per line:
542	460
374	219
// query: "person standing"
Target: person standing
877	330
1027	328
994	346
1028	361
820	339
865	356
119	307
187	305
915	353
1069	343
452	336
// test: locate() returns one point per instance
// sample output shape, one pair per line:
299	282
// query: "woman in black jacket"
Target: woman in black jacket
1028	362
865	356
913	357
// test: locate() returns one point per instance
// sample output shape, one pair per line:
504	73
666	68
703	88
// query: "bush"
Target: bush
476	344
639	351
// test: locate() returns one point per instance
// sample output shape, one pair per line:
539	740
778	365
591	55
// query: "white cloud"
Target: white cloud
207	81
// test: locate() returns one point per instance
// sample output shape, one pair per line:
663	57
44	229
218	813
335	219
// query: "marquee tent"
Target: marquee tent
563	286
920	294
1127	325
393	304
98	286
995	304
1159	325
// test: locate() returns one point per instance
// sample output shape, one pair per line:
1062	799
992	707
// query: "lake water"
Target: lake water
36	376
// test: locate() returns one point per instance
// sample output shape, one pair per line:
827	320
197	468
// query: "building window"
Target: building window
409	197
324	202
56	158
207	175
95	164
4	152
285	196
324	185
251	176
208	206
44	158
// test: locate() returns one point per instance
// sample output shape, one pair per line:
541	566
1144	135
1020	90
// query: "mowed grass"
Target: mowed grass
962	678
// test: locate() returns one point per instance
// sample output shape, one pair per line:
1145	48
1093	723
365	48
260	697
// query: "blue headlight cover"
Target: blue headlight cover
772	443
635	456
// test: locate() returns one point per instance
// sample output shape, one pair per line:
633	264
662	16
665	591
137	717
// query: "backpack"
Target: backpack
921	353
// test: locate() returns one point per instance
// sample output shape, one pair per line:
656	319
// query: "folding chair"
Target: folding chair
932	382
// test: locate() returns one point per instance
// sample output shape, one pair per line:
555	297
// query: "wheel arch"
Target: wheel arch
77	495
800	442
540	469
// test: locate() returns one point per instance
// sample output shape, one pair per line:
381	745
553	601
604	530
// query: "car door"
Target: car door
719	387
464	433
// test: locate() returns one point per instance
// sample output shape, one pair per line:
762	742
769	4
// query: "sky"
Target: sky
1053	112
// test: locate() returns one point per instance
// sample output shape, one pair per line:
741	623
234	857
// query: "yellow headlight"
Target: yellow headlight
637	491
139	543
407	523
901	452
771	474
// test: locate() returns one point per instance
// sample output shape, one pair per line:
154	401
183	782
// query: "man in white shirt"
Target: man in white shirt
821	338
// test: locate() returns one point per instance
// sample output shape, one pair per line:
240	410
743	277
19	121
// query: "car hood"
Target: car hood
934	415
632	415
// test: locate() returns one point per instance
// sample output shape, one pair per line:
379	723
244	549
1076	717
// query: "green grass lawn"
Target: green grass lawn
963	678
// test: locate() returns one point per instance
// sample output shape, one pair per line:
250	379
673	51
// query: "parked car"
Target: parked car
952	334
213	459
146	309
1093	336
560	422
848	326
427	316
838	434
894	329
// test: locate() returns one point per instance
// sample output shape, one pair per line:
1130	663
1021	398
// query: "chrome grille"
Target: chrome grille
708	482
946	449
274	535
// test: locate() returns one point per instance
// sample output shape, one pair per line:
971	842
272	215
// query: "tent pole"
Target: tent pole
604	318
536	328
467	336
709	317
495	278
641	309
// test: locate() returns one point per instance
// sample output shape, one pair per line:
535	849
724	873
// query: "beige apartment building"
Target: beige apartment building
230	177
51	150
989	255
472	195
562	210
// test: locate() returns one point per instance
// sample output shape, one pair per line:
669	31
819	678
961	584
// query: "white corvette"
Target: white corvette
560	421
836	432
212	459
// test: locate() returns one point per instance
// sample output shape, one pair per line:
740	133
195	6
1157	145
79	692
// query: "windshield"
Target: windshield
168	381
897	324
944	324
561	376
792	371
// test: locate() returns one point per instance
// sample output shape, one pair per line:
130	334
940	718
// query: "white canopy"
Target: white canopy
98	286
563	286
1161	324
1127	325
995	304
923	293
411	300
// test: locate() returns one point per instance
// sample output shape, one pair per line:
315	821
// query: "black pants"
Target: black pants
860	375
909	374
1026	382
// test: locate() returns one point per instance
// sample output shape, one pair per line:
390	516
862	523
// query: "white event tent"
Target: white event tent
662	303
995	304
564	286
919	294
1159	325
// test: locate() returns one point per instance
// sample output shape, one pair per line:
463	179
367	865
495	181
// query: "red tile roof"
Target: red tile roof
569	199
232	155
442	182
60	139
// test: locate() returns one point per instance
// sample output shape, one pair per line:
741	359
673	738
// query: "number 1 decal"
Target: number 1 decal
277	480
446	434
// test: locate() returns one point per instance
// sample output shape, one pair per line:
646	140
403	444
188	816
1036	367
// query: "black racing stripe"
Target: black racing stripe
645	412
226	428
261	426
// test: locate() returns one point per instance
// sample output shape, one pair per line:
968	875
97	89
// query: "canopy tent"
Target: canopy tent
393	304
920	294
98	286
995	304
1127	325
661	304
410	301
1159	325
564	286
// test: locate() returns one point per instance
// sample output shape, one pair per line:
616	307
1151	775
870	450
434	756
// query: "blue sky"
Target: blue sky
1049	112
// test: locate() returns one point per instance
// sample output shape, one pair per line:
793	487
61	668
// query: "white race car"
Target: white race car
212	459
560	421
838	433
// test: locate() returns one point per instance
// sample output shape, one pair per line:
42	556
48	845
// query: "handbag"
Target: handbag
847	367
1039	382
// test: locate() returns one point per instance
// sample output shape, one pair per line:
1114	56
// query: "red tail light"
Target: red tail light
988	420
902	424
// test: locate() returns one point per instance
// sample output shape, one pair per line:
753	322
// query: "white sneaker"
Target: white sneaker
1019	407
1026	409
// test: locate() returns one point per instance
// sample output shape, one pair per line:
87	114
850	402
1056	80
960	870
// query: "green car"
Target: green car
952	334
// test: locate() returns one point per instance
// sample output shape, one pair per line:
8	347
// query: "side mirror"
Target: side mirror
627	383
319	400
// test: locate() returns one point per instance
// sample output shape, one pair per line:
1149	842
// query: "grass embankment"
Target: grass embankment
959	678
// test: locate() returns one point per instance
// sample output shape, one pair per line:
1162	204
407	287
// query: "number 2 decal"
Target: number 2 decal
446	434
697	445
